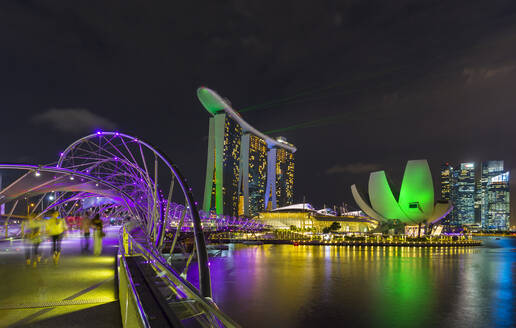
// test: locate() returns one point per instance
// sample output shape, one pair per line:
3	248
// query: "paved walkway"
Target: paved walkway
80	291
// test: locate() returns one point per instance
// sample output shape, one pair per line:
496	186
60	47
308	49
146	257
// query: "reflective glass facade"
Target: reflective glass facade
498	203
488	170
465	195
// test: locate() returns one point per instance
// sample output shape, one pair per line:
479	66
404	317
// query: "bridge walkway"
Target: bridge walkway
80	291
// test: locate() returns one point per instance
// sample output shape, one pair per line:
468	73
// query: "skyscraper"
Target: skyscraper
498	203
490	187
492	196
464	198
242	163
447	185
279	190
480	187
284	177
222	165
488	170
253	174
446	181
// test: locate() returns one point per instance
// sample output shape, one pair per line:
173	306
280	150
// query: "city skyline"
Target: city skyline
480	193
363	98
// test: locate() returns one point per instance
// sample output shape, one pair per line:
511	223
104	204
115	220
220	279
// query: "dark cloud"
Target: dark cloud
74	121
479	74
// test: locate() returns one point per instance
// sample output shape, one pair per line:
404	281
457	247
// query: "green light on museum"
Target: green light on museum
416	198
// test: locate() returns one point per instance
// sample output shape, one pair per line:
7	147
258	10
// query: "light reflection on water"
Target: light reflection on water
305	286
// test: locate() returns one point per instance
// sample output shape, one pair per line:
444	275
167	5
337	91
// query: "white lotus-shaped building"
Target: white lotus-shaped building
413	204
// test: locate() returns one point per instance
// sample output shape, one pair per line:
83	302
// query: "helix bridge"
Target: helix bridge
121	176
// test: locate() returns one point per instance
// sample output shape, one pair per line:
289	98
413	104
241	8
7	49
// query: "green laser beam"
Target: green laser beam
334	119
328	87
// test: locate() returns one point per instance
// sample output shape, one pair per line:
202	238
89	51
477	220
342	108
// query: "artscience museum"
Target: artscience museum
413	203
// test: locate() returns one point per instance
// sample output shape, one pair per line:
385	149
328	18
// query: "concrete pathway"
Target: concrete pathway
80	291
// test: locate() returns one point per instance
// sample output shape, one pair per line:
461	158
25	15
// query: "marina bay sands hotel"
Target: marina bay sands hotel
246	171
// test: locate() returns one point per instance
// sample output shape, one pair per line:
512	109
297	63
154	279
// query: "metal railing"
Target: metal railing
205	311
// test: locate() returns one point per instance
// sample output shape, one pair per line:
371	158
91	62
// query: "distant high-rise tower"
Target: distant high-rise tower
465	195
447	185
222	165
498	203
492	196
446	181
489	169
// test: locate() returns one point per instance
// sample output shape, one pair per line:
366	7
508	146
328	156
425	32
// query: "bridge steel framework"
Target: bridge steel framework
128	171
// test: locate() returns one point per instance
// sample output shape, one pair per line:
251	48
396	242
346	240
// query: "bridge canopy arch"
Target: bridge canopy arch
130	176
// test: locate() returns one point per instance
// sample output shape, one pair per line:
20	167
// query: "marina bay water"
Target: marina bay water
310	286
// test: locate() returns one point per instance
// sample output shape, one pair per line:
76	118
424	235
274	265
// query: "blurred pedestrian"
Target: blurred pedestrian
31	233
98	234
55	228
85	229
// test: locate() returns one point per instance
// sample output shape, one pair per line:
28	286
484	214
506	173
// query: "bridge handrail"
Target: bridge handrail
141	313
130	244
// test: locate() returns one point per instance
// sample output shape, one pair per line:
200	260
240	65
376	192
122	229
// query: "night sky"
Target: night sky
355	85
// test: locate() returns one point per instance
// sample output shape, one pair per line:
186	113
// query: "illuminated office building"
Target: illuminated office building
487	170
498	203
447	184
480	196
492	196
464	196
446	181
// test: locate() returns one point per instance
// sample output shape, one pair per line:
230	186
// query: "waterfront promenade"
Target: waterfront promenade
465	243
294	238
80	291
